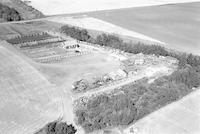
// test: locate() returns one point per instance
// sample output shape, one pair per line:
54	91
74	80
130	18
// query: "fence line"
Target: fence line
60	57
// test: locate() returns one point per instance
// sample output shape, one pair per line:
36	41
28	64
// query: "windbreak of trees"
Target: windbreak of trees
140	98
108	40
9	14
60	128
105	111
136	100
135	48
79	34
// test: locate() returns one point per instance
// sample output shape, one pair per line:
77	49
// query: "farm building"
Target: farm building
80	85
70	44
119	74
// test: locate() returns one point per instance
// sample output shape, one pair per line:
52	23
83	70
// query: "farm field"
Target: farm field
91	23
181	117
77	6
177	25
28	100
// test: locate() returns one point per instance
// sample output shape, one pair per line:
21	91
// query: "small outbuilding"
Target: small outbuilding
119	74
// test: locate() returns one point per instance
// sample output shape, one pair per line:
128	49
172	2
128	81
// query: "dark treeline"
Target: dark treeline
140	98
9	14
60	128
79	34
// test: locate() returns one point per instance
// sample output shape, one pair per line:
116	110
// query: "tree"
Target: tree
108	40
9	14
77	33
60	128
134	101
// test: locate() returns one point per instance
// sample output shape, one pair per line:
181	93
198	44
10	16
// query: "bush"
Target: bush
9	14
189	76
108	40
76	33
104	111
60	128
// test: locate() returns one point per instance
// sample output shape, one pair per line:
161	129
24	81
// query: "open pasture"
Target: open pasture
28	100
177	25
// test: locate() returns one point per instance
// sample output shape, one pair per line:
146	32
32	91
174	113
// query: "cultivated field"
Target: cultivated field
177	25
28	100
76	6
